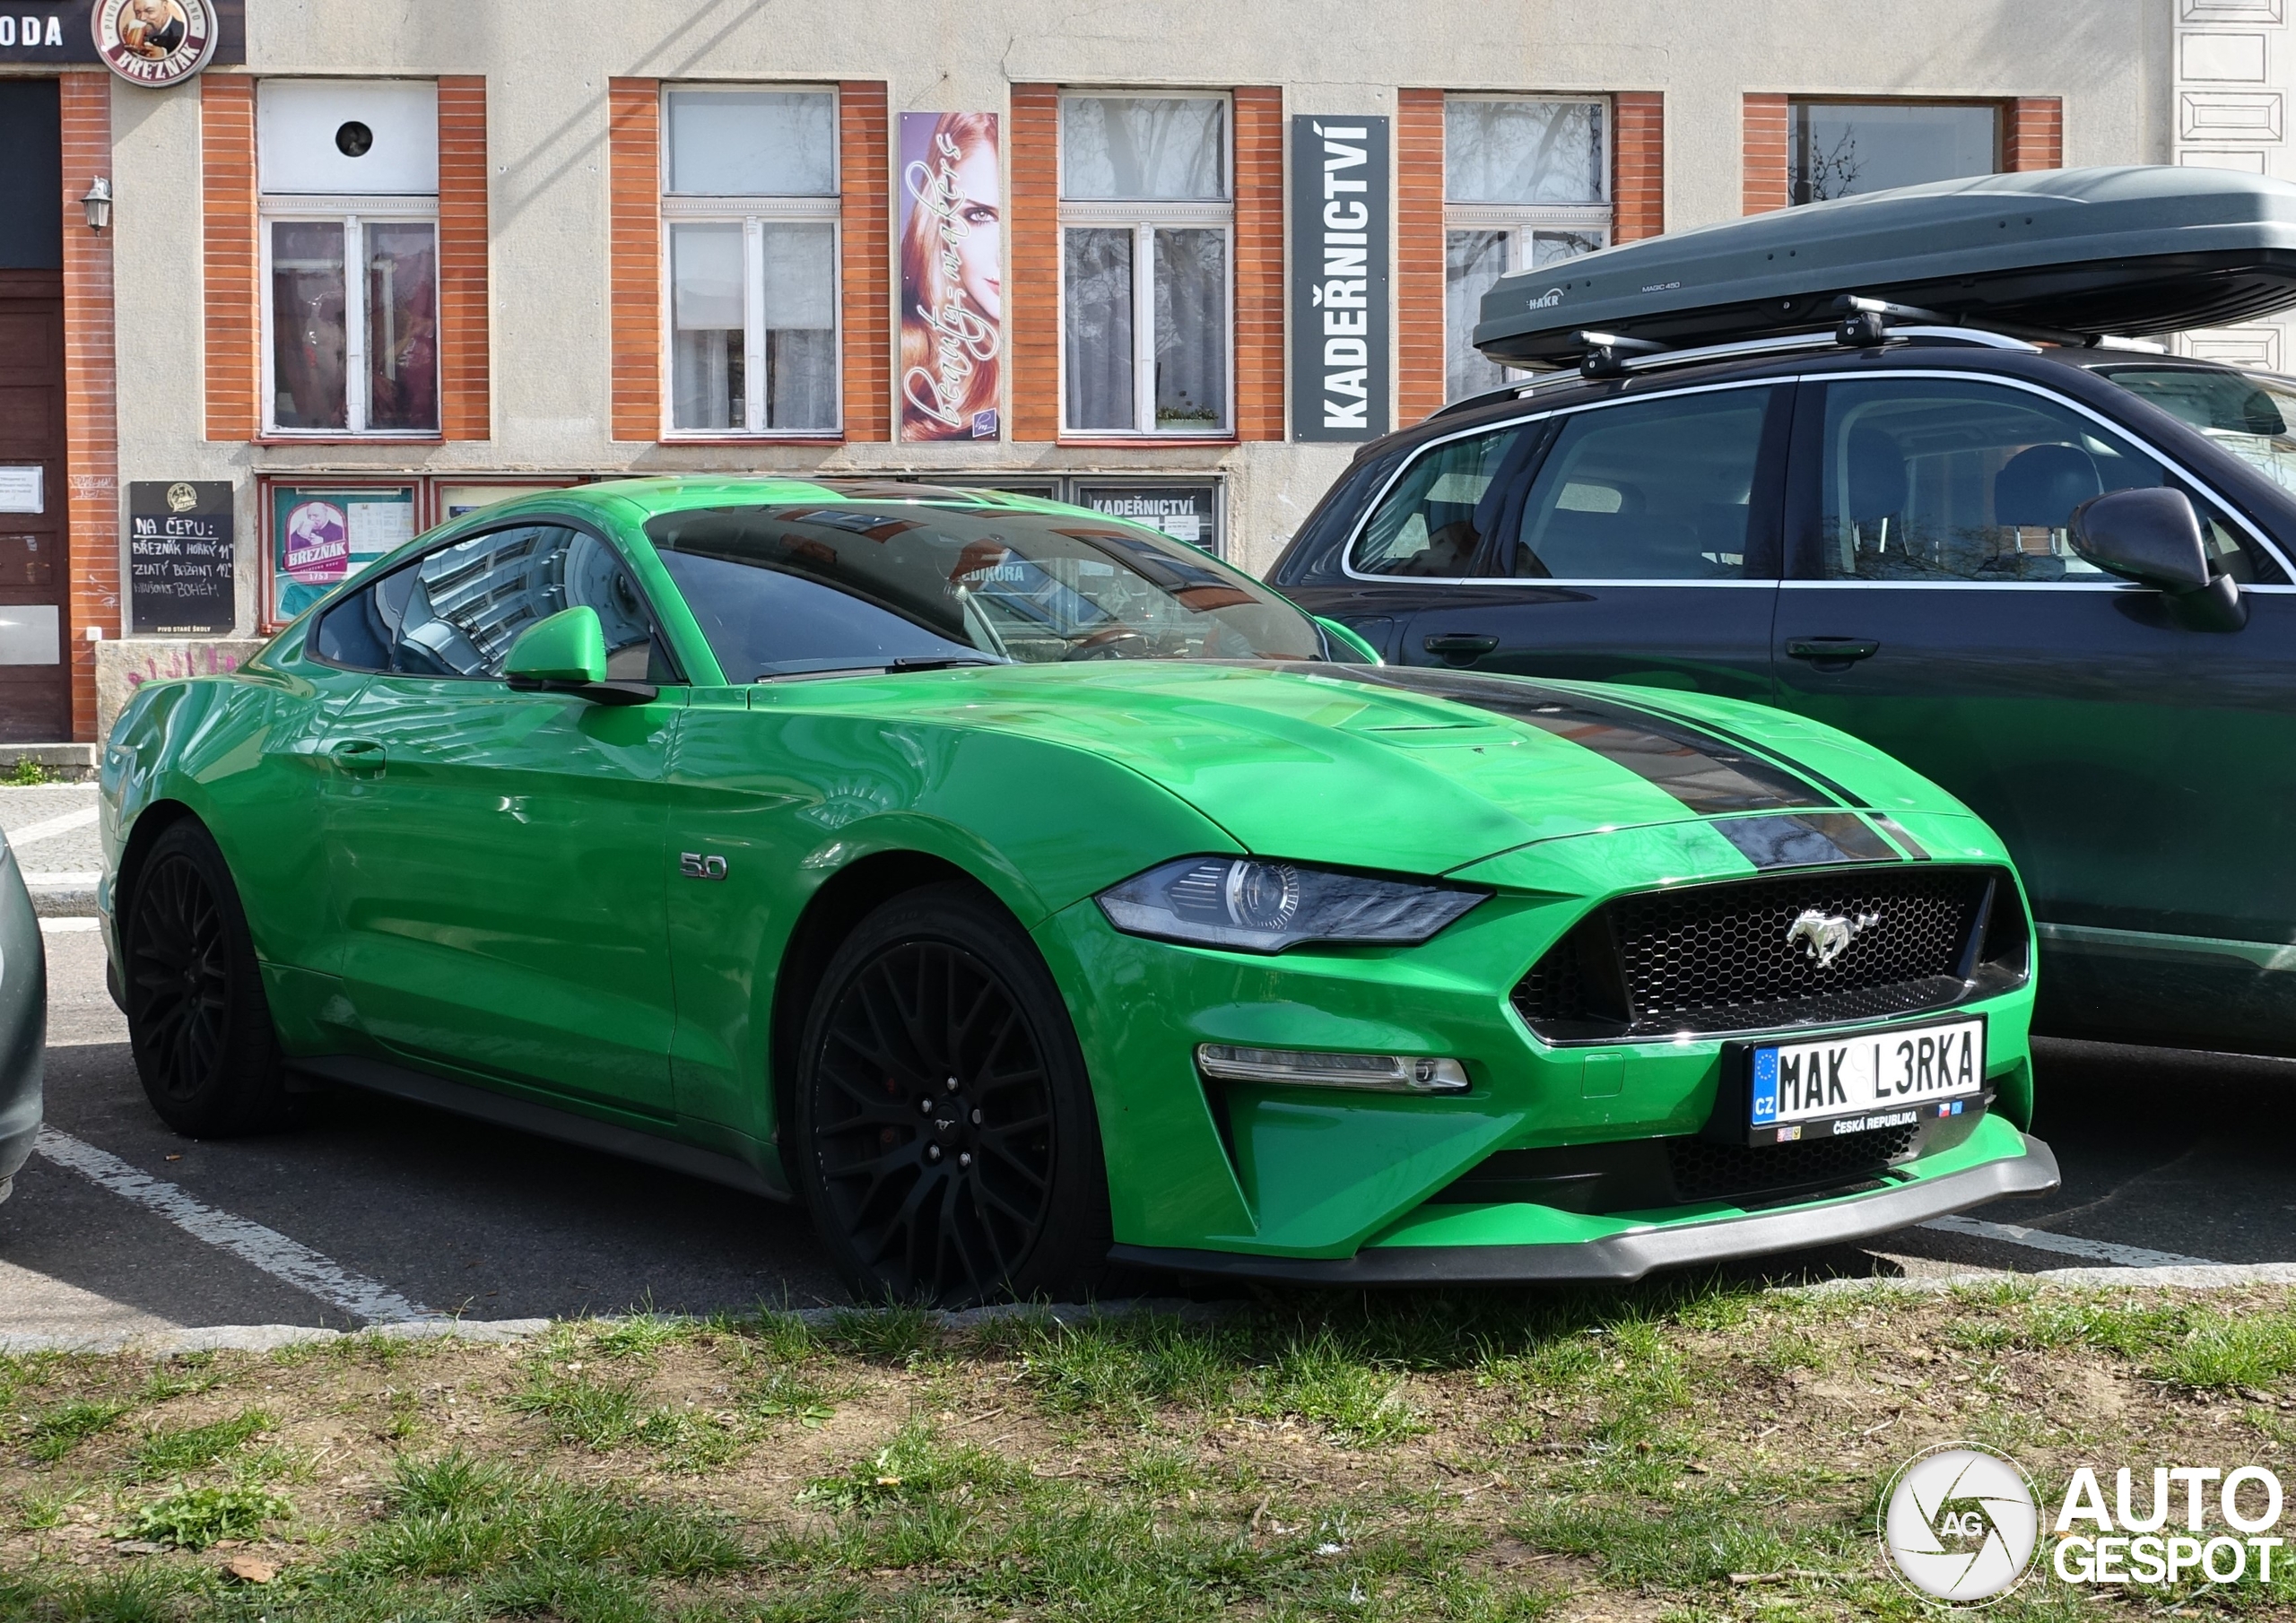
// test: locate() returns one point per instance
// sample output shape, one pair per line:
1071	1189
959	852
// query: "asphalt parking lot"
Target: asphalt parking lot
378	1210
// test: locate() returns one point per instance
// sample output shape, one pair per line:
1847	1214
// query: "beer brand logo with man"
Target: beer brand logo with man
155	42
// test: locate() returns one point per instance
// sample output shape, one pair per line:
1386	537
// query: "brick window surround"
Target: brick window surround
90	395
634	254
1638	206
2032	134
465	364
1260	262
634	233
2032	137
865	177
1032	263
234	321
231	234
1032	266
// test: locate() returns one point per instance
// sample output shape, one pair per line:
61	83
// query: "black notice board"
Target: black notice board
180	574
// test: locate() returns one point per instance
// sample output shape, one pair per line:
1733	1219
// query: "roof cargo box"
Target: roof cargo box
2075	252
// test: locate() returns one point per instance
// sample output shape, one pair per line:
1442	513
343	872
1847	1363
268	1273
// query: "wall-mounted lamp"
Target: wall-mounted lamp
97	201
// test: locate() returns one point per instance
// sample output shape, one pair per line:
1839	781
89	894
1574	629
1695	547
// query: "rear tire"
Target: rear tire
945	1136
198	1023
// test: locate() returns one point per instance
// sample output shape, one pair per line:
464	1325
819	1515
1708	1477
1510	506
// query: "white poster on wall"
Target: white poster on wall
22	490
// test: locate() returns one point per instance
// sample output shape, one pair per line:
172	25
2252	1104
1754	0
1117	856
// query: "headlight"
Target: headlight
1266	906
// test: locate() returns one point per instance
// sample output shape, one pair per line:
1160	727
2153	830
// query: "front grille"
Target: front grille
1707	959
1706	1171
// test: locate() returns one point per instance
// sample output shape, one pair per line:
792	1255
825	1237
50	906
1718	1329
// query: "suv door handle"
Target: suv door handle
359	756
1832	650
1458	648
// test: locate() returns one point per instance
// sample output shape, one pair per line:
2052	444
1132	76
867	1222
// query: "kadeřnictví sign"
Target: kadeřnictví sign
1342	323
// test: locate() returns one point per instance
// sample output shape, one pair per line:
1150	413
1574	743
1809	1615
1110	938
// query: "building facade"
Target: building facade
365	268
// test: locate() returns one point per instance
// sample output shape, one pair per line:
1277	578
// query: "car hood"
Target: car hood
1408	769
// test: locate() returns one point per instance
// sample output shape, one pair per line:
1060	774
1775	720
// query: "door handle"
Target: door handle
1831	650
359	756
1458	648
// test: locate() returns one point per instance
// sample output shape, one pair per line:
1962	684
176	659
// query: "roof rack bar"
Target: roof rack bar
1606	354
1865	322
1659	358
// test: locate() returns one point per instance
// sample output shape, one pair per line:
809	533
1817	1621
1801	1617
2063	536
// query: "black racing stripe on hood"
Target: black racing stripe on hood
1806	840
1707	771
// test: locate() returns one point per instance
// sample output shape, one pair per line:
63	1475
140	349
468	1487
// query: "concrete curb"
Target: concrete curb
2212	1276
269	1338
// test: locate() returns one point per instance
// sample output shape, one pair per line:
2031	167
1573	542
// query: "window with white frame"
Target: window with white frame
348	177
1147	218
1526	182
750	211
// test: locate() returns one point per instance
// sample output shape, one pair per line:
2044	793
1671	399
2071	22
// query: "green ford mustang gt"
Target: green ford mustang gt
1021	889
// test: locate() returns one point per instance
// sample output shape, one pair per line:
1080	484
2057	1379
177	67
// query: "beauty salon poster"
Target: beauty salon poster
951	276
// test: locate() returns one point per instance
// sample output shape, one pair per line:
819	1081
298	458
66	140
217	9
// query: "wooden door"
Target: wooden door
35	691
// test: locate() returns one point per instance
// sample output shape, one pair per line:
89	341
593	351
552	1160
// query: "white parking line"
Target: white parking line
266	1248
67	926
2066	1244
77	880
49	827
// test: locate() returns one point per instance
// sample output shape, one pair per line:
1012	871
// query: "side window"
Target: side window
1646	489
455	611
1433	519
1936	479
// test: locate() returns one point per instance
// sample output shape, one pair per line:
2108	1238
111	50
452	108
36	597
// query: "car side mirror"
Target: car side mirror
566	653
1350	640
2152	537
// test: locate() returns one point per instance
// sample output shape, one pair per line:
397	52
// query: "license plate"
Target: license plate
1864	1081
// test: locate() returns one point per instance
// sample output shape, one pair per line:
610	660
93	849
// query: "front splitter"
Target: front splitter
1629	1254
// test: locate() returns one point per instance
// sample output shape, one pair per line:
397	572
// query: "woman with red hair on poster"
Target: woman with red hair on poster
951	277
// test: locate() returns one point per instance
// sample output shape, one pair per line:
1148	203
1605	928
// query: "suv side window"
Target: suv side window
457	610
1646	489
1660	488
1942	479
1433	519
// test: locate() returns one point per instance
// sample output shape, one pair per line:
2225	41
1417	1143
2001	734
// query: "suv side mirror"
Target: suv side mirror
2152	537
566	653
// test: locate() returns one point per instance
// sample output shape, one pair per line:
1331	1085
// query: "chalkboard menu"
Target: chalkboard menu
179	573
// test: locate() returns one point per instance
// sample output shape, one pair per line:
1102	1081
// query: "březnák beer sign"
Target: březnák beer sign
1342	323
151	42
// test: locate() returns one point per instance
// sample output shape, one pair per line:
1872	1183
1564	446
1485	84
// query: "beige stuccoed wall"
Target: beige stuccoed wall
547	69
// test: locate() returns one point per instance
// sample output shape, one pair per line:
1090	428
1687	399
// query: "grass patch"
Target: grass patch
1485	1457
198	1517
52	1435
179	1449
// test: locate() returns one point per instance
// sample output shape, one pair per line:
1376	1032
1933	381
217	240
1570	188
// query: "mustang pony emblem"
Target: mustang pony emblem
1825	936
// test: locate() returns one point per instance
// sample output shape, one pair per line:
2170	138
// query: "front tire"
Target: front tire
945	1135
198	1023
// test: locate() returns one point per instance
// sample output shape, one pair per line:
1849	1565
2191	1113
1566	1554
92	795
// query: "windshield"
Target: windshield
2250	415
797	589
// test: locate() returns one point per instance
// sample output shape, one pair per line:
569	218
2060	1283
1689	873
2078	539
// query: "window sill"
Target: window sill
349	439
1136	442
752	439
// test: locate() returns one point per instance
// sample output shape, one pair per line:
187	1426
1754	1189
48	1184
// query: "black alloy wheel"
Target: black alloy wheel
948	1145
198	1024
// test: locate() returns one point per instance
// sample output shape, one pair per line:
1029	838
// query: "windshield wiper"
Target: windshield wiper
942	661
904	664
